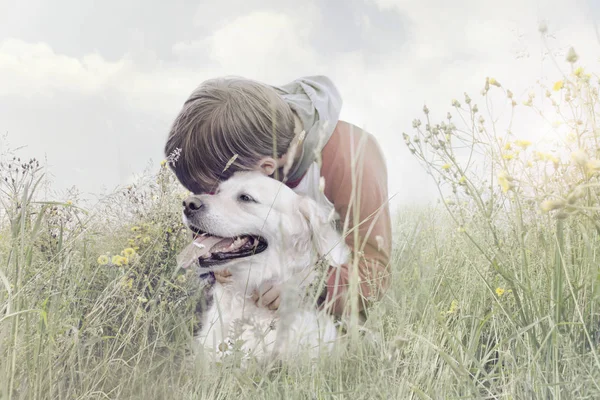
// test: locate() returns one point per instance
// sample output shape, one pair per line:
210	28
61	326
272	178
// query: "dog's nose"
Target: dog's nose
192	204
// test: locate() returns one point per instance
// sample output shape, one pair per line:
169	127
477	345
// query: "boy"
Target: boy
293	134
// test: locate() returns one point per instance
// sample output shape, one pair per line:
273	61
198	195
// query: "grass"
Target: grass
494	291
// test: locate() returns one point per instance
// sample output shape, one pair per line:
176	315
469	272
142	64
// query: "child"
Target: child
293	134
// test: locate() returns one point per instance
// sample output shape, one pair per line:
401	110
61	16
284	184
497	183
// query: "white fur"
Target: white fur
298	233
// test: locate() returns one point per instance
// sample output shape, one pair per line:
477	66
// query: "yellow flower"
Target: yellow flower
508	156
135	228
499	291
163	163
119	260
592	166
128	252
579	157
523	143
462	180
546	157
103	260
578	72
549	205
453	307
146	239
529	164
181	278
557	86
126	283
446	167
507	146
504	181
69	203
494	82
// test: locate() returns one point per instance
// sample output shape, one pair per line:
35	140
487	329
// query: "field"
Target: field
494	291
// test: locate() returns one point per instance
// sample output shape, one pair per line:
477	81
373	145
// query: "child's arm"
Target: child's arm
349	145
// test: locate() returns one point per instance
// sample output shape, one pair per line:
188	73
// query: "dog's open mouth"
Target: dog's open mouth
216	250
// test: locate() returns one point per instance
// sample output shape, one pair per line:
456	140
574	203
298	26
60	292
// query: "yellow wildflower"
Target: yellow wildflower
558	85
126	282
578	72
181	278
499	291
523	143
508	156
462	180
163	163
446	167
549	205
128	252
453	307
493	81
579	157
146	239
103	260
592	166
507	146
504	181
116	260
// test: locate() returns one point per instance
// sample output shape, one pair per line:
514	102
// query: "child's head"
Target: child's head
224	117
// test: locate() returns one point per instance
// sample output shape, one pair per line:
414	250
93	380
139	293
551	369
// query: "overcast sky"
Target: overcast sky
93	86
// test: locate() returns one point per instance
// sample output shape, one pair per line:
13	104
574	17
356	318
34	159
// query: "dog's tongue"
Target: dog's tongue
201	247
208	243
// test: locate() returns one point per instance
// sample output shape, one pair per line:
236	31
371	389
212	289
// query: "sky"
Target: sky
92	87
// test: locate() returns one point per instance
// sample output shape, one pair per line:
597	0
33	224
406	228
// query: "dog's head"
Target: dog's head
255	221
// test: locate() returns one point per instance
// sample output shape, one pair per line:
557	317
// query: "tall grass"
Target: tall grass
494	291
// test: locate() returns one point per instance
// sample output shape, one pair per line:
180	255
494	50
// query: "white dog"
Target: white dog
260	230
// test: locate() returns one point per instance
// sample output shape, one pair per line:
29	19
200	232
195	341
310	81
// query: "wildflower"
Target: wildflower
103	260
453	307
455	103
578	72
529	164
549	205
572	57
146	239
128	252
126	282
446	167
462	180
225	347
116	259
181	278
135	228
523	143
131	242
528	103
557	86
504	181
592	166
507	146
69	203
499	291
163	163
579	157
494	82
508	156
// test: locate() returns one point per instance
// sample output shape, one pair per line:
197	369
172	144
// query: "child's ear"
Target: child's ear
268	165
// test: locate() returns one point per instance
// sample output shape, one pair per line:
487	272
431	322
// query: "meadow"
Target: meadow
494	291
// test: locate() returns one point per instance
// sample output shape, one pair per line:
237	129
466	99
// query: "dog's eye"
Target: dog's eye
246	199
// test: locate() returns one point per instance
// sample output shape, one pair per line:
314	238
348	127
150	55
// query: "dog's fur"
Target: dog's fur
297	233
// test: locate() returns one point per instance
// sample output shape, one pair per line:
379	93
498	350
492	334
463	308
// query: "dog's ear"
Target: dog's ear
319	224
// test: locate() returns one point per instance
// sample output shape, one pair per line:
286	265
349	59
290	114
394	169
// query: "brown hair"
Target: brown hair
227	119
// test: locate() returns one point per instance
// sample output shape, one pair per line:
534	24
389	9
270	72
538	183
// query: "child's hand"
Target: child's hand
223	276
267	295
